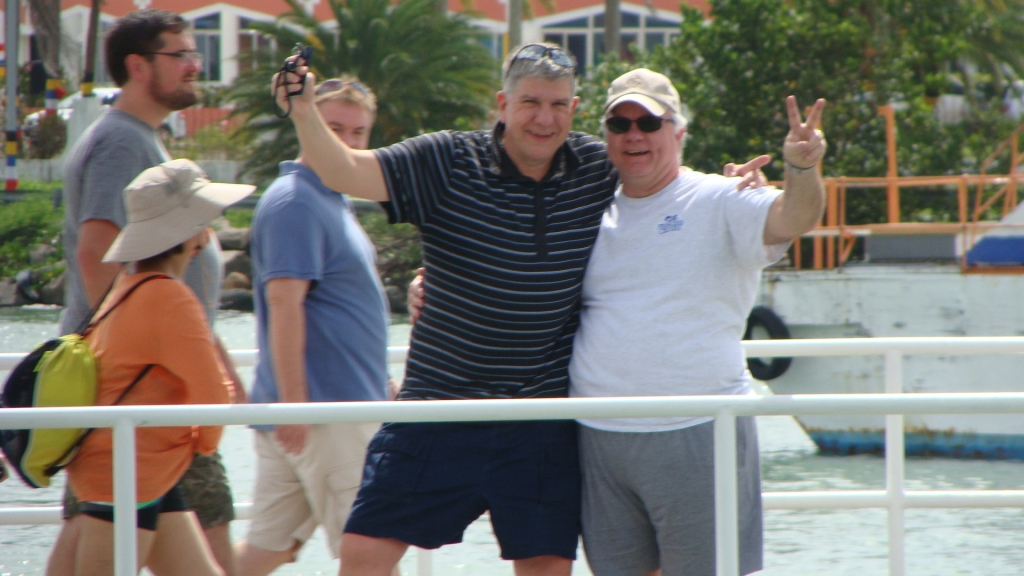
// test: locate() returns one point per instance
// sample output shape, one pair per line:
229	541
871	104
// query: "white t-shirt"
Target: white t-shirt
666	295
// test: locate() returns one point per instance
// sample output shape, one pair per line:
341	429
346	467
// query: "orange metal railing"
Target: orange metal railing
833	241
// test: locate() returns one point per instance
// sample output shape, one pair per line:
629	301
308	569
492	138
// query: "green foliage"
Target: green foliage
735	70
398	248
239	217
211	142
427	69
594	90
24	224
46	139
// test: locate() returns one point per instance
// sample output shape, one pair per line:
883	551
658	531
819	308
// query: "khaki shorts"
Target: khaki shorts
295	494
204	486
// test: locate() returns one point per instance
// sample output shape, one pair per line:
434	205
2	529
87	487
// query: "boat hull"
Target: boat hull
903	300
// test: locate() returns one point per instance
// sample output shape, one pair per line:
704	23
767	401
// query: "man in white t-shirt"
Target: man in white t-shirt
669	285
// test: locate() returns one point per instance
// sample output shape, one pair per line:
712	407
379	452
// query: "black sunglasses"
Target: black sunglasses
621	124
539	52
334	85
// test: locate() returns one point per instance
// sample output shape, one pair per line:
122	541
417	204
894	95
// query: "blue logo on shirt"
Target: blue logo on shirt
672	223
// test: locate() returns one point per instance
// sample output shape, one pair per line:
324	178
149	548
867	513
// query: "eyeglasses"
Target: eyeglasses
540	51
189	55
621	124
334	85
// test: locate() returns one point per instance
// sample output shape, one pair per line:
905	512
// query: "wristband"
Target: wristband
799	170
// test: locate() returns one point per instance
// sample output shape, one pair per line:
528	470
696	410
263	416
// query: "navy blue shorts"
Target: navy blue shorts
424	483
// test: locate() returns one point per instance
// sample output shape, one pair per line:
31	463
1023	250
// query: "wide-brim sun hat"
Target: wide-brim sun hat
168	204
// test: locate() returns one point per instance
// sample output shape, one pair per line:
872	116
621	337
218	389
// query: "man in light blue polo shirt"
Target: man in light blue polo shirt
322	332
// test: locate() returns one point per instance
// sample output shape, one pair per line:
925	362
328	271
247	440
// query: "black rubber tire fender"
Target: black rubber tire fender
777	330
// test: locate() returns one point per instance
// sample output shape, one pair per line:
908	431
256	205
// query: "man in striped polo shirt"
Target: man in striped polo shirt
508	218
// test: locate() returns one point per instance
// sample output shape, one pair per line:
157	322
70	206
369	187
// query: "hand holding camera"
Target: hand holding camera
292	77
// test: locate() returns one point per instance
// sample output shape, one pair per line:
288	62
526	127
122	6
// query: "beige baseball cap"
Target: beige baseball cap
168	204
649	89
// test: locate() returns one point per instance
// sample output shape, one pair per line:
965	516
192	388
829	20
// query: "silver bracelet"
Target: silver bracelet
798	170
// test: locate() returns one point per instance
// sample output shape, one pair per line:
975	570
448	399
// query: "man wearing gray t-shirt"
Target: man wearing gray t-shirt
153	59
666	293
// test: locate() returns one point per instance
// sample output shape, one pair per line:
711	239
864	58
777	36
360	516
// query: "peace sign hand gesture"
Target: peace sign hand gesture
805	144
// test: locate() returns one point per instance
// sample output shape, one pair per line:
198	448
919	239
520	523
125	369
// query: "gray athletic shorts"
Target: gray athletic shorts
649	500
204	485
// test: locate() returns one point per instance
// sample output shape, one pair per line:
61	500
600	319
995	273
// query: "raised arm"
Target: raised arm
354	172
801	205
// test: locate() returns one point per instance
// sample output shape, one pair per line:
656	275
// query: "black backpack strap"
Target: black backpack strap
92	312
88	328
62	461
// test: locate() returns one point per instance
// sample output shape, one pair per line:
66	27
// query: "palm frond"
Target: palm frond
427	69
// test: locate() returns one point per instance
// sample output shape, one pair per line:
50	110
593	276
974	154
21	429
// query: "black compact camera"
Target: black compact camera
305	53
291	65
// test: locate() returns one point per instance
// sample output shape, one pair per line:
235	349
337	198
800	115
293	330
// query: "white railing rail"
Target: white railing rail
725	409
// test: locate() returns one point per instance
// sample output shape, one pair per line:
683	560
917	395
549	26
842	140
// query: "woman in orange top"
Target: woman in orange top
160	325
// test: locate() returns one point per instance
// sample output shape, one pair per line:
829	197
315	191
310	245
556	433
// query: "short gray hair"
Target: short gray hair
512	70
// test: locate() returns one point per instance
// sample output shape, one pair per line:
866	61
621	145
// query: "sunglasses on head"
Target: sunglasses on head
335	85
621	124
540	51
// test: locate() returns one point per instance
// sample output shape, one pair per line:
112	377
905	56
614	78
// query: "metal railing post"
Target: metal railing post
895	453
424	562
726	508
125	553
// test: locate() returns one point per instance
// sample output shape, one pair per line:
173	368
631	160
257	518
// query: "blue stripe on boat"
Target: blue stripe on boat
946	444
999	250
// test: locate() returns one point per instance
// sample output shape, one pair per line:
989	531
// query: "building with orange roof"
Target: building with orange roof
222	36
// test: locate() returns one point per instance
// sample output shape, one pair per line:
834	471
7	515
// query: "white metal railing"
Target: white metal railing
725	409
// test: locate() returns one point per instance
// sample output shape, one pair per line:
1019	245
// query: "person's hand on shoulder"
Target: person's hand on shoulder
417	295
750	174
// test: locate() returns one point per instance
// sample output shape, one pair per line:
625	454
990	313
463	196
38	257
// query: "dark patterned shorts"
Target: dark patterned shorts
205	486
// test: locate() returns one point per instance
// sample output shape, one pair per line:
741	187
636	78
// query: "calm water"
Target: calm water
848	542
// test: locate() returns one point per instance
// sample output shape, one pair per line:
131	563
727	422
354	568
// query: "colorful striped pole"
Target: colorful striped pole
11	145
12	18
51	95
88	82
11	170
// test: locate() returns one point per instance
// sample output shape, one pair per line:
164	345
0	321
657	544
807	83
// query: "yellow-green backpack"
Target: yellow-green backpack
60	372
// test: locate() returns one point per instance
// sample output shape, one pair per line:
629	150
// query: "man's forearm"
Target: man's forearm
237	389
802	203
287	337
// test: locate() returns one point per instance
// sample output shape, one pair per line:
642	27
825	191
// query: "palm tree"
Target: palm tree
427	69
995	45
46	20
988	43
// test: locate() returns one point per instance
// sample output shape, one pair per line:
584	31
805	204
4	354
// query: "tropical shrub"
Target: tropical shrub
427	70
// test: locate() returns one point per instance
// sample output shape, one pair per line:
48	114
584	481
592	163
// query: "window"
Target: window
211	22
494	42
207	34
584	36
252	46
